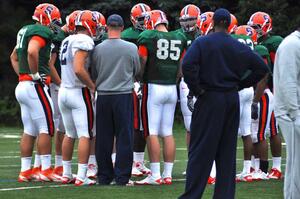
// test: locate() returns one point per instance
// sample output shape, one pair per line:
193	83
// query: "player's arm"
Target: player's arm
179	72
34	46
260	87
80	71
14	61
53	72
143	53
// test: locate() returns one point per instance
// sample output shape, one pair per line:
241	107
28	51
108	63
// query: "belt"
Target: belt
27	77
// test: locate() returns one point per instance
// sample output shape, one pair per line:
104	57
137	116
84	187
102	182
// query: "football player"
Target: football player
75	96
137	17
30	60
244	34
188	19
262	23
160	53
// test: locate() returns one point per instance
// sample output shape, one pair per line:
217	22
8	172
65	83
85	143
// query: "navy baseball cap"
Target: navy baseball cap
222	14
115	20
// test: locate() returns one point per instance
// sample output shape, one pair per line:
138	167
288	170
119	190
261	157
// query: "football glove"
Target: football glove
190	102
254	110
37	78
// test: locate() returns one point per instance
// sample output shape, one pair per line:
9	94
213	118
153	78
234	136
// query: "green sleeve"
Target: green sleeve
41	31
144	38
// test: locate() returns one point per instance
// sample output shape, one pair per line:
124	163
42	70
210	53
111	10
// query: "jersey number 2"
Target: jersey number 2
168	49
63	59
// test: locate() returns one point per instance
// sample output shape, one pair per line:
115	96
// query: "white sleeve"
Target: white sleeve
83	42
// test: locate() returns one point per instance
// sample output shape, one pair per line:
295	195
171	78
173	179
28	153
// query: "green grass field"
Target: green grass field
10	188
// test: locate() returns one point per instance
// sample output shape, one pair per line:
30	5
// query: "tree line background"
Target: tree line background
17	13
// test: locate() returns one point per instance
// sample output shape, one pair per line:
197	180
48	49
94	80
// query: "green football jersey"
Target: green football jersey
23	38
264	53
57	39
131	34
190	37
164	52
272	42
244	39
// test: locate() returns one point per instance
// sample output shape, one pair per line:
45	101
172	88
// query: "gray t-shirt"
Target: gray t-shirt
115	63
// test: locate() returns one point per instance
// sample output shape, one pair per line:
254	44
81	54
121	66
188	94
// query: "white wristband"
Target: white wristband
36	76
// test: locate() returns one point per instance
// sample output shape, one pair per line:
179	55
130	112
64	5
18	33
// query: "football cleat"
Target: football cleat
142	168
167	181
136	172
92	171
244	177
211	180
35	172
260	175
47	175
25	176
275	174
150	180
67	180
58	170
85	182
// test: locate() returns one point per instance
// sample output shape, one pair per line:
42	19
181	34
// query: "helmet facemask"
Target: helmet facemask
188	24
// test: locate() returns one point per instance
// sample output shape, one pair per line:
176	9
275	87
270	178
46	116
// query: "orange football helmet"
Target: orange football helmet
88	20
188	17
47	14
70	21
247	30
233	24
205	22
261	22
101	25
138	14
155	18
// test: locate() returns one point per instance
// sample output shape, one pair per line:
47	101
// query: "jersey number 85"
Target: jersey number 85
166	49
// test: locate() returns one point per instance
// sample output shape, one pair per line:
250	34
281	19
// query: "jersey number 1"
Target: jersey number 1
168	49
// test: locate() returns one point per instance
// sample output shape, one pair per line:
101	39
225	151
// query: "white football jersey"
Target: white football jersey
68	49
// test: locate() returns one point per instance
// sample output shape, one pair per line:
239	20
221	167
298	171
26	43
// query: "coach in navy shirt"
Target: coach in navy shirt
213	69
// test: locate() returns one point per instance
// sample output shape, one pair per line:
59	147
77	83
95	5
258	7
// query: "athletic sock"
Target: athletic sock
46	161
82	169
168	168
213	170
277	163
264	164
138	157
256	164
92	160
155	169
58	161
247	166
113	157
37	161
67	168
25	163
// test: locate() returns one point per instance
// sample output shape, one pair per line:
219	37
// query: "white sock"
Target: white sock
113	157
256	164
213	171
92	160
277	163
138	157
46	161
82	169
155	169
37	161
247	166
25	163
252	161
58	161
67	168
168	168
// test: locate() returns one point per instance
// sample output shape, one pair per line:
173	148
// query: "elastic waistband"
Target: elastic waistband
27	77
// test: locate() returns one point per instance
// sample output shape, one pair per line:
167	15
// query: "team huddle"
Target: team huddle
56	93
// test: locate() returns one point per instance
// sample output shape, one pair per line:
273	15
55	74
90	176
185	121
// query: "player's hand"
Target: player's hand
190	103
254	110
41	79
